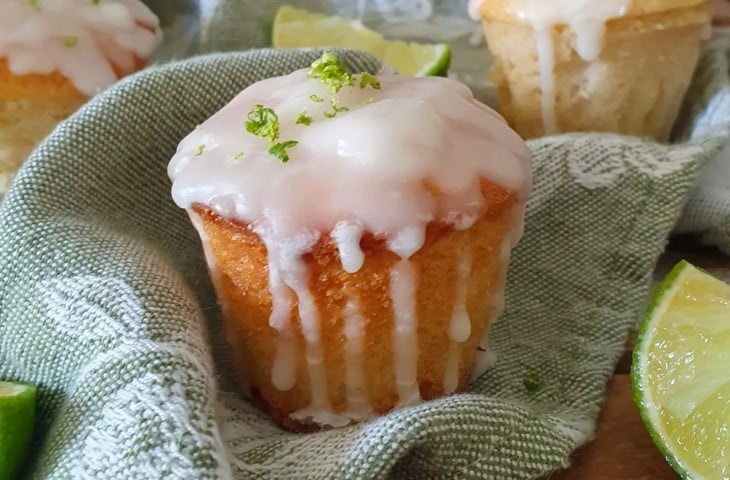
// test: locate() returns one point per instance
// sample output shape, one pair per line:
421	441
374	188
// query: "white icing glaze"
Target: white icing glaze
483	361
287	271
451	374
460	325
283	370
84	41
585	18
546	65
403	287
474	7
408	154
367	166
347	237
358	404
482	358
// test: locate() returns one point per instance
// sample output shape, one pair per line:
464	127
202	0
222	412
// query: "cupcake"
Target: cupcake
357	231
55	55
620	66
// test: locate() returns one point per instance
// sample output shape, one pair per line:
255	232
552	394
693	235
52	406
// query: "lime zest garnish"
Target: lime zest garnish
263	122
304	119
336	108
199	151
279	152
316	98
367	80
70	41
532	382
329	70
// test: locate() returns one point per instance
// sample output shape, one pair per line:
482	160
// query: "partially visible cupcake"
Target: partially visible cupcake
619	66
55	55
358	231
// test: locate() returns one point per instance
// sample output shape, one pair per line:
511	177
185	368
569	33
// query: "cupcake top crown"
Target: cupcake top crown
326	150
90	42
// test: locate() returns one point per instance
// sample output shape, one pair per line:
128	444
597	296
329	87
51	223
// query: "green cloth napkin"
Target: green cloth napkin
106	302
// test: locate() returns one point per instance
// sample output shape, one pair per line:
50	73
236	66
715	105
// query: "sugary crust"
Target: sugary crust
635	88
23	123
242	263
51	86
499	10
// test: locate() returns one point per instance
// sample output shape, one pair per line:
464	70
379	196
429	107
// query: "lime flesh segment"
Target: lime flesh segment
17	417
681	373
297	28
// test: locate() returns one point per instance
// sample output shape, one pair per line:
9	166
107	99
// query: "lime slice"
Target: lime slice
681	373
17	417
297	28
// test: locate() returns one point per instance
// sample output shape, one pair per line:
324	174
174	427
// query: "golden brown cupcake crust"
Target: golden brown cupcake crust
241	261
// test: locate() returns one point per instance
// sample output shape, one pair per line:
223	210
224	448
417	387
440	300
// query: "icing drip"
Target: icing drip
358	405
403	287
283	370
484	358
546	64
347	236
289	273
585	18
460	326
85	41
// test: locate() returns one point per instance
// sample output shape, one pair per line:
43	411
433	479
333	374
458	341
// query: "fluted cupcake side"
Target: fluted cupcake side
352	345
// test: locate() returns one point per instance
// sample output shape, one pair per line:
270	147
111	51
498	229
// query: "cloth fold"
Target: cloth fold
106	302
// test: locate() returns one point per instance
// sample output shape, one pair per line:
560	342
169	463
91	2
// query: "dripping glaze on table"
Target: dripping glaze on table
371	169
585	18
88	42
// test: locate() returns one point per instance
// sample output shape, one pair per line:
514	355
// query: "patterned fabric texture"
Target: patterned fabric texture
106	303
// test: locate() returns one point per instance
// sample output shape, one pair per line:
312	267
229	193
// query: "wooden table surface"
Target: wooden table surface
622	448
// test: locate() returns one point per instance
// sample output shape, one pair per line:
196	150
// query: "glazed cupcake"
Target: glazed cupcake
620	66
357	231
54	56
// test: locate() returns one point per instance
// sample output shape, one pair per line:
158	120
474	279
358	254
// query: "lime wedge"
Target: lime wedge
17	417
297	28
681	373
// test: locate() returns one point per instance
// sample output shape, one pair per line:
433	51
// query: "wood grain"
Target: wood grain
622	449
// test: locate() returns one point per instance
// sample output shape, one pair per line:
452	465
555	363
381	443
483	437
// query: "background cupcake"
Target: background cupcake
618	66
54	56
